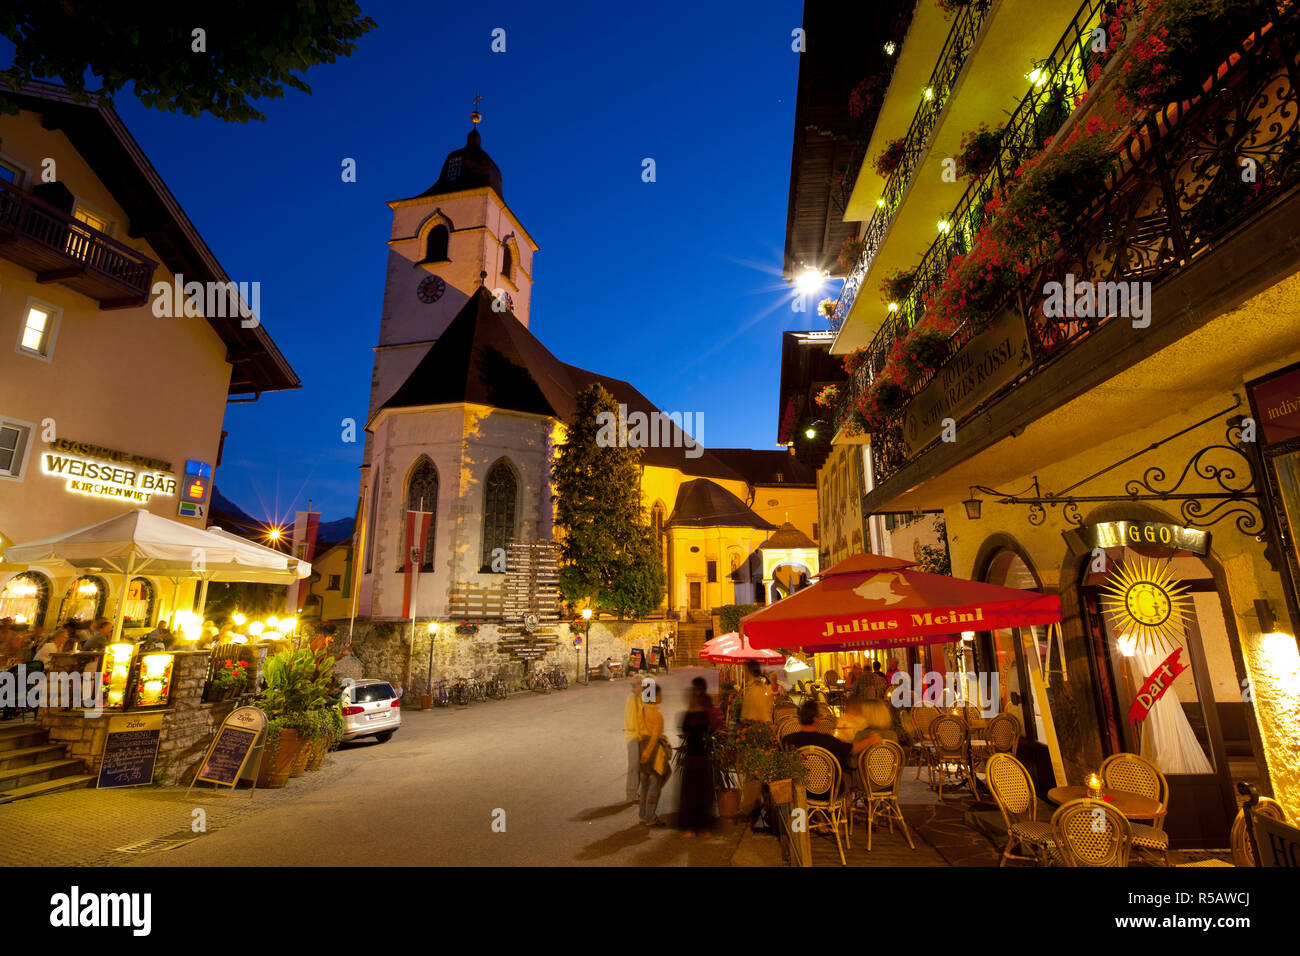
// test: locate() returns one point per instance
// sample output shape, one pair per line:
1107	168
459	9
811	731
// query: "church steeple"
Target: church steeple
469	167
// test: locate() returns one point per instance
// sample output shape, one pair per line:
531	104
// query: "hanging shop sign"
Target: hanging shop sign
232	747
1151	534
1278	402
1154	687
992	359
106	473
1144	601
130	751
194	489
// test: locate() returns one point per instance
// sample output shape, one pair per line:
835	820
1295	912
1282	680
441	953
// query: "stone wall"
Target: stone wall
189	723
380	648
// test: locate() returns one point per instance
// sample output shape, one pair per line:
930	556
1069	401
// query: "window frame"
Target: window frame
24	456
51	333
430	541
428	239
110	226
335	582
23	175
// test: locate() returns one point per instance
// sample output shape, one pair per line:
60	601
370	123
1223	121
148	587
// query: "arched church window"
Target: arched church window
506	263
139	603
421	495
500	492
435	249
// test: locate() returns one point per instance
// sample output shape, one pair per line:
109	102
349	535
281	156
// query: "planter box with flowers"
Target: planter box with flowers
897	286
891	157
229	681
826	309
1177	46
851	252
828	397
467	628
923	351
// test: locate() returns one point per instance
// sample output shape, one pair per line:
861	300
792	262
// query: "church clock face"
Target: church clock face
431	289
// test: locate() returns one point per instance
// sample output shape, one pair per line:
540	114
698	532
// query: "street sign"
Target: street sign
577	640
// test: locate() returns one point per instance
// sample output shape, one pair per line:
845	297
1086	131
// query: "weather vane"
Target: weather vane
476	116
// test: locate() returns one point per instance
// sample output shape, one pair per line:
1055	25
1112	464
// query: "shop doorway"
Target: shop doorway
1146	606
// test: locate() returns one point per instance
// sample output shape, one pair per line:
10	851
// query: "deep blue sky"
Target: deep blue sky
673	285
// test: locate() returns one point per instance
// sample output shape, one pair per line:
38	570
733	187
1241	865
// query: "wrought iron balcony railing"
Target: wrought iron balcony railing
1173	190
1064	76
60	248
961	40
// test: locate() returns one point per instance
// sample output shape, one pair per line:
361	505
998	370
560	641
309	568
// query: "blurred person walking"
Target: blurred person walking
695	803
633	731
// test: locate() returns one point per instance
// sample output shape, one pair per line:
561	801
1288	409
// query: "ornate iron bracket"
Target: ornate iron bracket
1231	491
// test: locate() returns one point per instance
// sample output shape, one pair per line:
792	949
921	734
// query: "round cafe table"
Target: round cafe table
1134	806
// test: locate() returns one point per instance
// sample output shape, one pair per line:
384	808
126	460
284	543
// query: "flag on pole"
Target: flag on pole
302	546
417	531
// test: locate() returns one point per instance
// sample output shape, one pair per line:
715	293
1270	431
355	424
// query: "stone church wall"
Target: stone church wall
380	648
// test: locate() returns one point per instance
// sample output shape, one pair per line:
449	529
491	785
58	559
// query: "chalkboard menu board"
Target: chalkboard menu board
637	659
231	748
130	751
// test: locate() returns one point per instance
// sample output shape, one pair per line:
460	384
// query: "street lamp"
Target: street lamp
586	616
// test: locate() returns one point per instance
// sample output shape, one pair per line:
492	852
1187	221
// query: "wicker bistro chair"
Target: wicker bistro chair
1237	839
879	768
1013	789
917	745
1091	833
786	725
1131	773
825	776
1001	736
923	718
950	756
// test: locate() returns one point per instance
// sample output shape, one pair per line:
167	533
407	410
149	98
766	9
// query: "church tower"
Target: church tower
454	237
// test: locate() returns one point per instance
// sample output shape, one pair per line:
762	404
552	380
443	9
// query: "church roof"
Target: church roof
489	358
788	537
469	167
763	466
703	503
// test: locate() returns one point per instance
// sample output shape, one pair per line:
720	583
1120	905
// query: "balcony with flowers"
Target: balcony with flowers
1124	162
897	181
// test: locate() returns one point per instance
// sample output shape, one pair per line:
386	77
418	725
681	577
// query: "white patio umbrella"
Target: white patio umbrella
140	541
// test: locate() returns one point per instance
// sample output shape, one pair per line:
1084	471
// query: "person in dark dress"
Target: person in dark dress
695	805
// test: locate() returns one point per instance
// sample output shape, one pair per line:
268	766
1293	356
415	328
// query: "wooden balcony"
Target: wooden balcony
59	248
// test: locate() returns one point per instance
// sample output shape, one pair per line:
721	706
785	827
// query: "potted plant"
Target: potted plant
761	756
826	309
827	397
897	285
278	754
298	682
979	150
726	781
467	628
891	157
924	350
785	771
328	731
851	251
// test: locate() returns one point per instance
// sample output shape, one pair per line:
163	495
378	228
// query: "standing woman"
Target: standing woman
695	806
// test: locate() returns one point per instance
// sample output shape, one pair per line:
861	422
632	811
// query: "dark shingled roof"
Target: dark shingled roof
489	358
761	466
788	536
473	168
702	503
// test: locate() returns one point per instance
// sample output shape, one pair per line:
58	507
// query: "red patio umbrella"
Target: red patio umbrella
873	601
732	648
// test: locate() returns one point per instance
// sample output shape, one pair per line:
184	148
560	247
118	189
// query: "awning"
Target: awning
870	601
732	648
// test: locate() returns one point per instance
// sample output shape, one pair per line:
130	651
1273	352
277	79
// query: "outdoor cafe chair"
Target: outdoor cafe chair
1091	833
1001	736
786	725
1132	773
950	755
826	777
1237	839
879	767
1013	790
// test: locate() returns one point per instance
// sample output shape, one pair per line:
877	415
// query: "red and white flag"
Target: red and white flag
303	547
417	532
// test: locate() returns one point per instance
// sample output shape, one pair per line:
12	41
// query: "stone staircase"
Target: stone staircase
690	638
31	766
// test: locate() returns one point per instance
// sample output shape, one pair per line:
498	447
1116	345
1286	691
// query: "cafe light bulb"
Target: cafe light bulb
256	628
238	619
272	622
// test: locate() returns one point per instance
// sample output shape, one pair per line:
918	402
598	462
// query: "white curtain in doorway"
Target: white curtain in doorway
1167	737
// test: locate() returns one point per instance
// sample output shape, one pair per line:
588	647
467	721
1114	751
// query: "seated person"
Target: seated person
878	718
606	671
808	735
50	645
851	721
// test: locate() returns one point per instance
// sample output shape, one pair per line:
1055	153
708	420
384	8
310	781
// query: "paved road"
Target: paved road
555	764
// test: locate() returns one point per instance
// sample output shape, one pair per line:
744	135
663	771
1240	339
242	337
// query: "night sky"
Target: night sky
673	285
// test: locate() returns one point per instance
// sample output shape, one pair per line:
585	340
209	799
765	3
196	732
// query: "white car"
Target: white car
371	709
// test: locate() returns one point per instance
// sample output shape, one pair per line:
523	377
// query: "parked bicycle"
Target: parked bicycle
538	681
441	696
461	694
559	678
